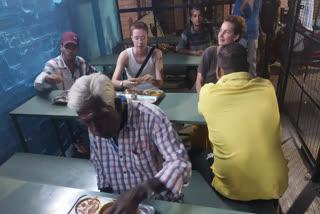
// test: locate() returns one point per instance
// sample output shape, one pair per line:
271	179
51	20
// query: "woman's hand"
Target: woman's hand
132	82
147	78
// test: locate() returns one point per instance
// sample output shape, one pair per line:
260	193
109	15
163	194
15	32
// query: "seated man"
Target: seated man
131	59
134	149
244	126
232	29
62	71
197	37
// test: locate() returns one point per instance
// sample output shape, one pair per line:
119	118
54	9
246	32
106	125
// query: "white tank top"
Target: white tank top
133	68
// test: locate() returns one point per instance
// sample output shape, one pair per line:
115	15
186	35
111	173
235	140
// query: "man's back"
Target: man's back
244	126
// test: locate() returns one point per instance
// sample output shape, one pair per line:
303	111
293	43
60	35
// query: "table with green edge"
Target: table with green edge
180	108
59	181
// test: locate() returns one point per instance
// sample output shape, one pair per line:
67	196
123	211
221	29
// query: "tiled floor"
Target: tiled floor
301	195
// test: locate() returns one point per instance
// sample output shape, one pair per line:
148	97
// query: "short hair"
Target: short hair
90	87
232	58
195	8
239	24
191	12
139	25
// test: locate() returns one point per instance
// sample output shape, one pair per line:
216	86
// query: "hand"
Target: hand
147	78
53	79
128	202
132	82
198	53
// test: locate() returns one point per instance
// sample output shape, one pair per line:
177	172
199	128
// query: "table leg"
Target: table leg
70	130
58	136
20	134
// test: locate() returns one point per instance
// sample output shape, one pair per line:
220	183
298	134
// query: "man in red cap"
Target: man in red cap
61	72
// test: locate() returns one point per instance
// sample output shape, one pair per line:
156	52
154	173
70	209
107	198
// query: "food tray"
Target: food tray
143	209
147	96
61	98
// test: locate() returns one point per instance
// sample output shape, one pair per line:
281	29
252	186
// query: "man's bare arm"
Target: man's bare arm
199	82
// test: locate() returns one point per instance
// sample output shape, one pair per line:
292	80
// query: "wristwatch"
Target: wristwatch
121	84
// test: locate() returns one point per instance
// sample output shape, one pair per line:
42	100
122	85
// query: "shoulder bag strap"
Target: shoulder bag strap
145	62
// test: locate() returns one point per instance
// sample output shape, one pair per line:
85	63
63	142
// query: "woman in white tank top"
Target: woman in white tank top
131	60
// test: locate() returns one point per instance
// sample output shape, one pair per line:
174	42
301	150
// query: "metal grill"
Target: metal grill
299	80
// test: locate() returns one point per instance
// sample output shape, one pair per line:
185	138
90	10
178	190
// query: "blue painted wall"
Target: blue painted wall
30	32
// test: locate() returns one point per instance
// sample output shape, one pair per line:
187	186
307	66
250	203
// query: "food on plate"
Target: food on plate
88	206
155	93
106	207
143	92
61	98
130	91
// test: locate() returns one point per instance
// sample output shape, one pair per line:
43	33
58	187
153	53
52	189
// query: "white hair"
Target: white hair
91	86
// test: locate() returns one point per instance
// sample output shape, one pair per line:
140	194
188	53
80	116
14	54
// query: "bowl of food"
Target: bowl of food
88	206
106	207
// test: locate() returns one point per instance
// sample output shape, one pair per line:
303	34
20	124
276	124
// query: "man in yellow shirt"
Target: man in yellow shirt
244	127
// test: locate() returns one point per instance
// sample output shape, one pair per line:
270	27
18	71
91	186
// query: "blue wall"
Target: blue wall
30	32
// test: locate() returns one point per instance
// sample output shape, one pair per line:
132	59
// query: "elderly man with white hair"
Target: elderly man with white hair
133	146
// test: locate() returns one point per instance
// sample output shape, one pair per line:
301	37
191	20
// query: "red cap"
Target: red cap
70	37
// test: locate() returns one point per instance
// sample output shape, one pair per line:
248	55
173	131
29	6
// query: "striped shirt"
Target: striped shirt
192	40
147	147
57	66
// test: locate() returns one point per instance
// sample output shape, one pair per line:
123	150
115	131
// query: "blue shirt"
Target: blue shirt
251	16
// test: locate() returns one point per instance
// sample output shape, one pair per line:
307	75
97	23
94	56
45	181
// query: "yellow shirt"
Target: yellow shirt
244	126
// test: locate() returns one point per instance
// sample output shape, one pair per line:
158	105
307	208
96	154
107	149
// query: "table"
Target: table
53	170
51	174
17	196
180	108
41	105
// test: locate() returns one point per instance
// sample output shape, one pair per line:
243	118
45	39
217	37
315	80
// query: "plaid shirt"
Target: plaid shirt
306	14
147	147
58	67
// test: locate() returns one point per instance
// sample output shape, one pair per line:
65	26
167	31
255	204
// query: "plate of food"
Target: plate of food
61	98
148	96
87	204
